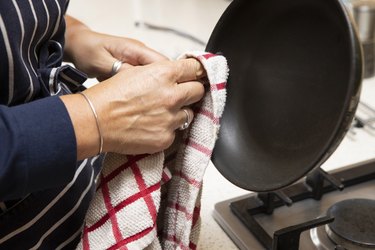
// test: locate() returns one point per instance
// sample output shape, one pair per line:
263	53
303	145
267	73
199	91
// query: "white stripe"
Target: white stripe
45	210
57	25
51	81
21	45
94	159
63	219
67	78
10	60
79	231
71	238
32	37
97	179
45	31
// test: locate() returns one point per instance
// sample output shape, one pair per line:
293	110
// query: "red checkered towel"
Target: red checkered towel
153	201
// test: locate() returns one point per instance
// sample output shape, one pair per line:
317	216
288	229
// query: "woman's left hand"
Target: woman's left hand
94	53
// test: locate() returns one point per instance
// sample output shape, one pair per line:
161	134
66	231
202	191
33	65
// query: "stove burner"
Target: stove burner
354	224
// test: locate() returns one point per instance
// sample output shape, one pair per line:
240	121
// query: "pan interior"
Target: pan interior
291	70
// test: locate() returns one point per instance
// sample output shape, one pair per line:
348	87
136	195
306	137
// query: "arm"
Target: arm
37	148
94	53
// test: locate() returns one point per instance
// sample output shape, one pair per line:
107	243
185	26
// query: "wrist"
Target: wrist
92	107
84	124
74	29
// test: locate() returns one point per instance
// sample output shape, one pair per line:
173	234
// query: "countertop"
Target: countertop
198	18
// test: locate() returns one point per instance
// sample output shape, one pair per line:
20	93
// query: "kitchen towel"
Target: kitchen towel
153	201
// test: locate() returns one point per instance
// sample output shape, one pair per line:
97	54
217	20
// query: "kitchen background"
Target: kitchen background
191	23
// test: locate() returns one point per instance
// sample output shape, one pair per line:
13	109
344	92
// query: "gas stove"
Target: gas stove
328	209
302	216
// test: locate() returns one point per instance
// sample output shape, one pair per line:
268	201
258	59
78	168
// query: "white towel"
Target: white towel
153	201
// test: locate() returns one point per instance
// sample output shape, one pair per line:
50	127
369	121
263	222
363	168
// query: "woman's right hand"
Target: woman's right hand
139	109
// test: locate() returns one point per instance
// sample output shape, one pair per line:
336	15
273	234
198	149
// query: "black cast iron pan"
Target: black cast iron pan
294	83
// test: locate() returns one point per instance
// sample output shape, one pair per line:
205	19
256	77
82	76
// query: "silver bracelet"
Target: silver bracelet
97	121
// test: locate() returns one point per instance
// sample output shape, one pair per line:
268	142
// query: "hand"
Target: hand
139	109
143	116
94	53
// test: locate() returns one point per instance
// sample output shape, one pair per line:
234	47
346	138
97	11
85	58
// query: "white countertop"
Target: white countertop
198	18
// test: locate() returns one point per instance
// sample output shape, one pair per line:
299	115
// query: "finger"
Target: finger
150	56
123	66
183	118
109	73
126	66
118	65
134	52
190	92
189	69
140	54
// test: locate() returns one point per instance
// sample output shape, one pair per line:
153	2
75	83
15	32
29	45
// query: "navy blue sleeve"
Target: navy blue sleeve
37	147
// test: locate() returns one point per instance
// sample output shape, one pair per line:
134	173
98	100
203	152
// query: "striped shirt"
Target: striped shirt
44	192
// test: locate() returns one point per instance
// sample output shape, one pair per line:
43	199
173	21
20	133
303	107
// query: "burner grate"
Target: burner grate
315	185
